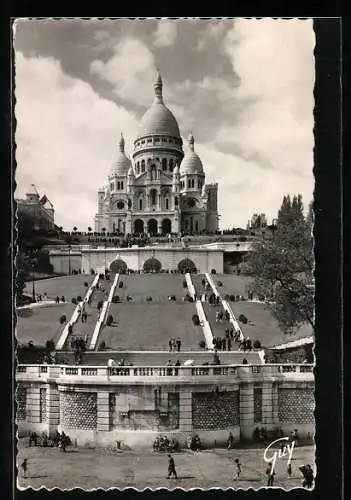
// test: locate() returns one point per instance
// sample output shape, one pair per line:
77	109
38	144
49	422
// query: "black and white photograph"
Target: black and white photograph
165	291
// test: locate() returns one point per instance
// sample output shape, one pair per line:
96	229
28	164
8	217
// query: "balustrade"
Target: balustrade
57	371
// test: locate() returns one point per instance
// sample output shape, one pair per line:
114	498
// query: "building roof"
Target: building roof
191	163
158	119
122	163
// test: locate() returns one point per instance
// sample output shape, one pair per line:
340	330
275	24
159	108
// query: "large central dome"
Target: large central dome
158	120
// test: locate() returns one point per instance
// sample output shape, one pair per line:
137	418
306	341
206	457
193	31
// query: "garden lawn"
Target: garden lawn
42	323
263	326
149	326
68	286
157	286
232	284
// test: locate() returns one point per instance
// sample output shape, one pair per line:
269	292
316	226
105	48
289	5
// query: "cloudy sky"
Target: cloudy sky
244	88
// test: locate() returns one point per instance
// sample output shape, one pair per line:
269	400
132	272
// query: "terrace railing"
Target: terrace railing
112	374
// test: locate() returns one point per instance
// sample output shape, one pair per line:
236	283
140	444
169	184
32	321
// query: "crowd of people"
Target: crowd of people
163	444
58	440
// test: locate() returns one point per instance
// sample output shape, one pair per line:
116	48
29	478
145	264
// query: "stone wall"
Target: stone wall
296	405
212	411
103	410
78	410
204	260
21	401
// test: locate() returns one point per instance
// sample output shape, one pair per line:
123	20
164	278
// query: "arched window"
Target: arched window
192	183
176	201
121	184
171	163
143	166
189	183
138	168
118	185
111	186
199	184
140	204
167	204
153	195
164	164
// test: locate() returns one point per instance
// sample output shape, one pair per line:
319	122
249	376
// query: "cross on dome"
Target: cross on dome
121	143
158	87
191	141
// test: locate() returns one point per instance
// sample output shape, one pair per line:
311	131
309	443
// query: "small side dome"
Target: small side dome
122	163
191	163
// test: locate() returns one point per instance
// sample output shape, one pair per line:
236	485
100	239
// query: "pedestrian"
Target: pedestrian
270	473
171	467
178	343
237	471
229	344
24	467
308	477
170	343
70	329
63	299
289	471
57	300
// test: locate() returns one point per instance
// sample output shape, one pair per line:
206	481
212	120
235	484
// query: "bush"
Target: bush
79	298
184	284
63	319
213	271
74	300
120	285
102	346
115	299
109	320
92	271
86	284
202	344
196	319
190	299
232	298
226	297
219	283
257	344
243	319
50	345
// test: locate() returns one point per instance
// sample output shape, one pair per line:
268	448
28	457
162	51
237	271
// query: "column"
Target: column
275	404
246	410
52	408
185	410
103	411
33	404
267	405
159	227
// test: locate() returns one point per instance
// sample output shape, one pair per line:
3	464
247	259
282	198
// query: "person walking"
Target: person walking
289	471
24	467
237	471
270	473
171	468
178	344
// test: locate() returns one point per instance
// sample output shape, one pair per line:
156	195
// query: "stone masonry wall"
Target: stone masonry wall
21	401
78	410
150	419
42	417
211	411
296	406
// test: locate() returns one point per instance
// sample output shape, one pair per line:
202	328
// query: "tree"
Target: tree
75	229
89	229
282	267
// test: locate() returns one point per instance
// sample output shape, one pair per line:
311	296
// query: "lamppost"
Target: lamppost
33	278
69	259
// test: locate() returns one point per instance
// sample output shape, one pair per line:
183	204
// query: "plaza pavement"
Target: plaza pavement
93	468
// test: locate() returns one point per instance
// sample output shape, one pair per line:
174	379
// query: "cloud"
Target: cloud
249	105
130	70
66	138
166	33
